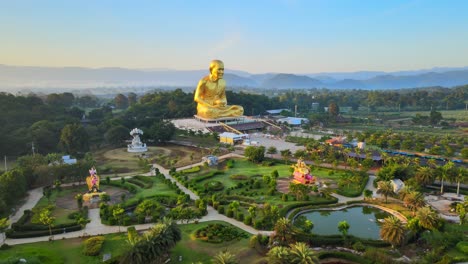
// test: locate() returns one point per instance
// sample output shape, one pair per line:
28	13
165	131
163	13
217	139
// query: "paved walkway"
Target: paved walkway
34	196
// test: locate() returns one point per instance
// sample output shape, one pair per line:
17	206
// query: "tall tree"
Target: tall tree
132	99
74	139
333	109
255	154
283	231
385	188
428	219
161	131
461	176
116	135
444	174
121	101
424	175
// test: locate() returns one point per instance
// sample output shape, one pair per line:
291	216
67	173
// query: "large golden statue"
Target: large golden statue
211	95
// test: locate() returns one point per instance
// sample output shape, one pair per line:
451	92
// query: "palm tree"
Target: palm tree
224	258
445	173
414	200
283	231
154	245
393	231
461	177
302	254
279	255
428	219
385	188
424	175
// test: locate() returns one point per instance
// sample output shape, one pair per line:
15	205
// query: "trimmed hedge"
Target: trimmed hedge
284	211
337	240
37	233
206	176
343	255
192	170
127	186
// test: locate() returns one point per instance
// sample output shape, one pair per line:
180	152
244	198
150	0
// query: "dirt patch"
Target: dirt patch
440	203
180	156
282	185
68	201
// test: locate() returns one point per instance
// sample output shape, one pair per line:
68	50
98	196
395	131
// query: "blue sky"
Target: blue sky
256	36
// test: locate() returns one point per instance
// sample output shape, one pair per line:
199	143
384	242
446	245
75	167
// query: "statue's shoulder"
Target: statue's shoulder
205	79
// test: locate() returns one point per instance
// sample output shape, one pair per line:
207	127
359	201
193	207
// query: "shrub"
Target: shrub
240	216
217	233
93	245
462	246
207	176
358	246
230	164
343	255
229	213
192	170
221	209
378	256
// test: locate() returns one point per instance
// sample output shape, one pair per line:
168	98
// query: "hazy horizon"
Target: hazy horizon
285	36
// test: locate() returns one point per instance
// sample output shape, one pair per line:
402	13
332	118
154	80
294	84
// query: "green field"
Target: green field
193	250
63	251
69	250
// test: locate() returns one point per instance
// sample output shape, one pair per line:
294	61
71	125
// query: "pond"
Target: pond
363	221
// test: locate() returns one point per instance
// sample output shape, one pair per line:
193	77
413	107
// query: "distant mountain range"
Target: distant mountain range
19	77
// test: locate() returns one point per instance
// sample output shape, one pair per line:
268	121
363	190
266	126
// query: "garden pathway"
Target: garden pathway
34	196
95	227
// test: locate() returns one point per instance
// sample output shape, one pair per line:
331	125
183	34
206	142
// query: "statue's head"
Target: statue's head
216	70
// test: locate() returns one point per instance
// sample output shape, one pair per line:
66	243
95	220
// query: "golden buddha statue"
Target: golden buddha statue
211	95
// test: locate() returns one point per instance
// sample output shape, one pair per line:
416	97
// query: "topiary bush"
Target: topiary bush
93	245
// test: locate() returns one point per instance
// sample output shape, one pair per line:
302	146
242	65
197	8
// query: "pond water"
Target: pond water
363	221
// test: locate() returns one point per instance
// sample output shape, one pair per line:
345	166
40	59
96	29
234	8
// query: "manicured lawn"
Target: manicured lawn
159	188
193	250
69	250
245	167
65	251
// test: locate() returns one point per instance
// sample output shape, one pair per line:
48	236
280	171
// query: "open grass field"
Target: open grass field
63	251
159	188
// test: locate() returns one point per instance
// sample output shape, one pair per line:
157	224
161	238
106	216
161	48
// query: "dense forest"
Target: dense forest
65	123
